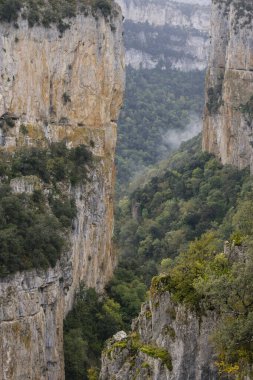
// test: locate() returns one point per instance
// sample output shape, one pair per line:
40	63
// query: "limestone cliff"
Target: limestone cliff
168	342
60	86
165	32
229	84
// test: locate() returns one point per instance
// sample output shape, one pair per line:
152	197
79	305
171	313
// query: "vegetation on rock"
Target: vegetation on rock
247	110
180	217
30	236
189	195
47	13
243	12
134	345
33	225
157	353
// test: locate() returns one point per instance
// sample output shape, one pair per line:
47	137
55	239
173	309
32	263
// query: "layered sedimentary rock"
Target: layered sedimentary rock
60	87
229	85
165	32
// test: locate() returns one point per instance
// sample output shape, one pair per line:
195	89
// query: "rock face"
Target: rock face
168	33
229	85
162	327
59	87
168	341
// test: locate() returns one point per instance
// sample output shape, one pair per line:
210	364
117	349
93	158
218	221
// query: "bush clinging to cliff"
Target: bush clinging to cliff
9	9
46	13
29	235
34	225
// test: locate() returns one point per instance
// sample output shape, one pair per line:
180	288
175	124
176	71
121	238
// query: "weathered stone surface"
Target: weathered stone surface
227	129
60	87
167	12
173	328
186	23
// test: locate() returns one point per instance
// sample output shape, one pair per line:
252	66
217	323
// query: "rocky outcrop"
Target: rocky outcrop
60	87
168	342
229	85
169	33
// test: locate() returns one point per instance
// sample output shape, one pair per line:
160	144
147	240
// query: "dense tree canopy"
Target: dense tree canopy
175	224
157	102
33	227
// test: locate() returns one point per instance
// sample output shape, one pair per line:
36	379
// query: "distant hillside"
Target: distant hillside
166	55
166	33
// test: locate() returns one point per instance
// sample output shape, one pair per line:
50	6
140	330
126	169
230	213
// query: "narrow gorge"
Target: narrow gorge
173	273
196	323
59	83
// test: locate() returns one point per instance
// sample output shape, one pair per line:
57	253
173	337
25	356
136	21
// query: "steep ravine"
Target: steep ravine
168	341
60	87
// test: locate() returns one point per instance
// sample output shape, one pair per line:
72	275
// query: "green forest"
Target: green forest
183	221
34	226
176	223
156	101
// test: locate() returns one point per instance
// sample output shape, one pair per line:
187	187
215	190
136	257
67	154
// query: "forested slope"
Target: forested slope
162	108
190	196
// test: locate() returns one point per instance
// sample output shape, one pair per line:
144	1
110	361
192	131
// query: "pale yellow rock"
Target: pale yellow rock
227	132
38	70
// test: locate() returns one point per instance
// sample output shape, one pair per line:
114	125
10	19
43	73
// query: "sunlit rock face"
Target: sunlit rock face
229	84
167	33
60	87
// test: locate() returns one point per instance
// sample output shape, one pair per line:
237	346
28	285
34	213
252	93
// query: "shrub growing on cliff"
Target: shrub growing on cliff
30	237
9	9
204	279
214	101
247	110
48	13
104	5
56	163
32	226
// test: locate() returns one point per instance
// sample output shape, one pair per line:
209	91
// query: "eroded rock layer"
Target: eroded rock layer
60	87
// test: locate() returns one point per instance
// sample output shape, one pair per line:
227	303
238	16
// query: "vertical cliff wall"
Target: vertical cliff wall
168	342
229	85
164	32
60	87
